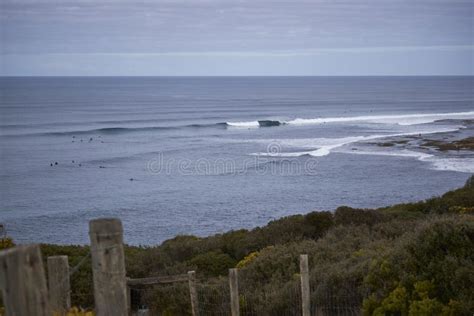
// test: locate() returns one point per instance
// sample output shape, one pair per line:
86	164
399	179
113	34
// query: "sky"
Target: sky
236	37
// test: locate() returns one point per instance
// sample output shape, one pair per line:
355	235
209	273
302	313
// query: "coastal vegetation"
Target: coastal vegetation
405	259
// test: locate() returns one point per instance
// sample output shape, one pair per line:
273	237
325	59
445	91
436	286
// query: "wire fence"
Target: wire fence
285	301
81	290
213	298
162	299
289	291
256	298
344	299
138	299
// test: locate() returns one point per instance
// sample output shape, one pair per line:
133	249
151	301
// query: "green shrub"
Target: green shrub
433	264
345	215
212	263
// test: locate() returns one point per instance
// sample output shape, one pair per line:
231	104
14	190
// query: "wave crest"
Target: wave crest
400	119
254	124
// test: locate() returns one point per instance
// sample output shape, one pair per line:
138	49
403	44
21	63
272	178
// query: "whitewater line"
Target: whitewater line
400	119
326	149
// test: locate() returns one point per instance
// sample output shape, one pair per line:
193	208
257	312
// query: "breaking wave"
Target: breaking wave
253	124
405	119
326	145
465	164
402	119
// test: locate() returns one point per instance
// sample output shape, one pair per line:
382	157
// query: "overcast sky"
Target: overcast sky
240	37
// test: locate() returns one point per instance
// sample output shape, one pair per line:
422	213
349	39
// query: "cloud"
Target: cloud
275	53
246	28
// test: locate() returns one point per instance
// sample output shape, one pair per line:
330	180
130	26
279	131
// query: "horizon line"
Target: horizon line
231	76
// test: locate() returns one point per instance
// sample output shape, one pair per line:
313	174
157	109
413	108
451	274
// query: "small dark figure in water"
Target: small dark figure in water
73	161
51	164
56	163
90	139
80	165
131	179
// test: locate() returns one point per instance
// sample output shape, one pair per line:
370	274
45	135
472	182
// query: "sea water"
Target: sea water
177	155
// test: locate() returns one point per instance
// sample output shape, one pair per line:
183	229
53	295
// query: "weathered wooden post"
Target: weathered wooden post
234	292
23	282
305	295
58	284
108	267
193	293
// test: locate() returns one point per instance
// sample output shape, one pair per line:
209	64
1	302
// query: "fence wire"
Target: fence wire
213	298
161	299
285	301
343	299
257	297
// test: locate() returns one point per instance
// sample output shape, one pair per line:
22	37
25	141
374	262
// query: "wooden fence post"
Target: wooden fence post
23	282
305	295
234	292
193	293
108	267
58	284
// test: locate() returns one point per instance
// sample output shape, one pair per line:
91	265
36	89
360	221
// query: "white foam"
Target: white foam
399	153
401	119
453	164
250	124
404	119
436	163
326	145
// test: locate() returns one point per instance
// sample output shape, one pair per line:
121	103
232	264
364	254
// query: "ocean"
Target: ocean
204	155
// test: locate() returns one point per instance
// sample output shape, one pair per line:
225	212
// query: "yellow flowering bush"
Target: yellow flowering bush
461	210
6	243
79	312
247	260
